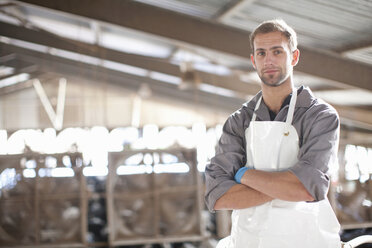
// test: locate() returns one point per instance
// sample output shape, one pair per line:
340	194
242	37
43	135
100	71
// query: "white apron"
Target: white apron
272	146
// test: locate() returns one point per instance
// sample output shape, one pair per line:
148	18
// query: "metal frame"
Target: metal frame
95	73
189	156
13	161
83	196
208	35
334	201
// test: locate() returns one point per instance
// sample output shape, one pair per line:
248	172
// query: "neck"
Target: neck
275	96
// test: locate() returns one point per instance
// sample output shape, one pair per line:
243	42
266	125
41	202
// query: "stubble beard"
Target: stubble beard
272	81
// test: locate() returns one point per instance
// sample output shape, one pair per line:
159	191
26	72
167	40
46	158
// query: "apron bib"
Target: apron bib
273	146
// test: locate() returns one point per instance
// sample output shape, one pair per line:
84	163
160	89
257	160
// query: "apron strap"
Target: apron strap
292	105
255	109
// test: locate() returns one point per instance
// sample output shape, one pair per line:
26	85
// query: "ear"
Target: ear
253	62
296	57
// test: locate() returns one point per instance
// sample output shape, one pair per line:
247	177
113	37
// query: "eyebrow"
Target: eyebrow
271	48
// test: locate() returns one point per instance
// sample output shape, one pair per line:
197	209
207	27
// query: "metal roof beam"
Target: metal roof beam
355	115
157	21
206	34
66	67
50	63
231	8
5	57
149	63
20	85
17	71
354	46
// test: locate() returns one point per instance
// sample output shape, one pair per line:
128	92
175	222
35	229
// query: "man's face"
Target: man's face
273	59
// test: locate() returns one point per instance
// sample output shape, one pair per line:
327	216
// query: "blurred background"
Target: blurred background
110	111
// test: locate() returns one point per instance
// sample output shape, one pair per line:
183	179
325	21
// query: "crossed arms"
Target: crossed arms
305	181
258	187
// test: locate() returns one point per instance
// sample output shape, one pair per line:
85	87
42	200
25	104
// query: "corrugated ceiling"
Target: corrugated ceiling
339	26
200	8
320	24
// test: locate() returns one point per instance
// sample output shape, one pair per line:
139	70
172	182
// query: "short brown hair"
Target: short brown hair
276	25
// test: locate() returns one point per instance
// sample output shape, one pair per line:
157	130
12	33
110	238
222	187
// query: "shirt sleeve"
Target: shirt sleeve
318	151
230	156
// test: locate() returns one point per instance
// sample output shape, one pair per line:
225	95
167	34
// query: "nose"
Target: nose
268	60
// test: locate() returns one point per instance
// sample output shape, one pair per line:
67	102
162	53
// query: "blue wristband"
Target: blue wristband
239	174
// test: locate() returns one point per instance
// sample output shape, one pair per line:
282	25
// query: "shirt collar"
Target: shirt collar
304	100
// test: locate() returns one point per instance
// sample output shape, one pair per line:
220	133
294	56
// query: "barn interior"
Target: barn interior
111	110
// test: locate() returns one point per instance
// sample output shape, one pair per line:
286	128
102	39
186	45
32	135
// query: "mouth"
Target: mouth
269	71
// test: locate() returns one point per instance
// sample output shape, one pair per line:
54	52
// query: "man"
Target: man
272	158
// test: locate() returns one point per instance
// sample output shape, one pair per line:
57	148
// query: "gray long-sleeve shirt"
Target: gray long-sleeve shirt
317	126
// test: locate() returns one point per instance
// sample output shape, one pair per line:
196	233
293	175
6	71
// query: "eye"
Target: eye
260	53
276	52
